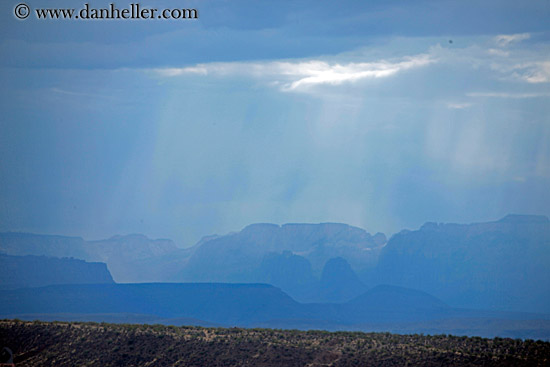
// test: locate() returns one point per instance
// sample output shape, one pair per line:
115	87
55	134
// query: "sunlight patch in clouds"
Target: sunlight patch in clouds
458	106
538	72
300	75
324	73
530	72
504	40
507	95
494	54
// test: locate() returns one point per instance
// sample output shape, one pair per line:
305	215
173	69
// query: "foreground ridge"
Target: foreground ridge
69	344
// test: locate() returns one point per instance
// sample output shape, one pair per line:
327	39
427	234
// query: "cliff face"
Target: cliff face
37	271
130	258
236	257
136	258
499	265
239	256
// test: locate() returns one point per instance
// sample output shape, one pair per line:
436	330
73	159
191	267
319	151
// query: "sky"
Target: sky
379	114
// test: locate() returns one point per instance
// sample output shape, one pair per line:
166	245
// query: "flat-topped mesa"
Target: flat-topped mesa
132	236
309	232
239	257
135	245
331	231
523	218
327	228
500	264
136	238
429	226
260	226
36	271
508	223
260	229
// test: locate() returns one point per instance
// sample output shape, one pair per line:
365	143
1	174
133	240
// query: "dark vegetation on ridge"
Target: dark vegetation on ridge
76	344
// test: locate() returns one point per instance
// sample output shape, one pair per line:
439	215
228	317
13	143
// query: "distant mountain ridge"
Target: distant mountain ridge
524	218
501	265
258	305
129	258
136	258
236	257
36	271
229	304
303	249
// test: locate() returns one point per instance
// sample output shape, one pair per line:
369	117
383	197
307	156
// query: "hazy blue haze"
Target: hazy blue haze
358	112
338	277
500	265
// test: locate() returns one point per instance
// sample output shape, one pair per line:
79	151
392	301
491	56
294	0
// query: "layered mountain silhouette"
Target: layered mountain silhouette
36	271
131	258
136	258
287	271
501	265
260	305
339	282
228	304
238	257
291	256
497	265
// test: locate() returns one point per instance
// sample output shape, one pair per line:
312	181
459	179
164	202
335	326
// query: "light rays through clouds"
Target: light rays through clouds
502	56
432	128
386	135
300	75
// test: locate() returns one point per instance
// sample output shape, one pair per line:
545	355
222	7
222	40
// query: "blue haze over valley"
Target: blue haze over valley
148	168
